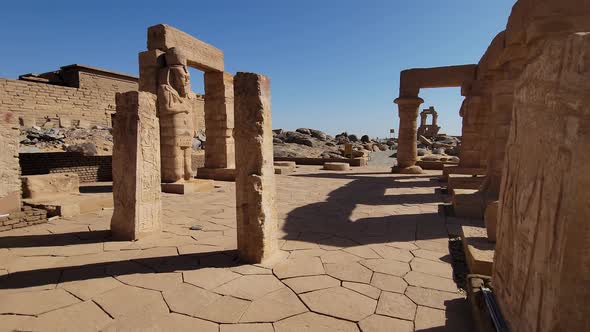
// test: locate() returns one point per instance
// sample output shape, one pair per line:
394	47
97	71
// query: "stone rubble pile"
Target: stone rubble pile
93	141
313	143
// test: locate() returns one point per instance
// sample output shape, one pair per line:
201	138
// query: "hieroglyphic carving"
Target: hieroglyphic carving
136	167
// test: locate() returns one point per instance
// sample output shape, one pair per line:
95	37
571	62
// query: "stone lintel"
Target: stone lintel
200	55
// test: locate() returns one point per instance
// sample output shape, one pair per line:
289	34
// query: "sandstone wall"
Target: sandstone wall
10	187
542	263
40	101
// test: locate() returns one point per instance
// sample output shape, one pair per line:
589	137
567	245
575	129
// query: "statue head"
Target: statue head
176	73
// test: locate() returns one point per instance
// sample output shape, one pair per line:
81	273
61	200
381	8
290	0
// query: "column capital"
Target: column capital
408	100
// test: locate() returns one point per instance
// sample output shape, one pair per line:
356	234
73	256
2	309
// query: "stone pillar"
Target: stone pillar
501	117
406	146
423	117
255	179
10	184
136	167
219	126
542	262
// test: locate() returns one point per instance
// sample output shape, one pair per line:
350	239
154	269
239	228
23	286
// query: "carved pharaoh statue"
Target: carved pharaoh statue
174	111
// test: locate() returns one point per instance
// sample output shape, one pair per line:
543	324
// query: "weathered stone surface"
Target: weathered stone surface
161	322
91	318
542	261
340	302
349	272
253	327
299	267
431	297
364	289
175	115
274	306
35	303
389	283
50	185
10	190
209	278
310	321
424	280
250	287
136	167
333	166
255	180
311	283
199	54
116	302
387	266
396	305
378	323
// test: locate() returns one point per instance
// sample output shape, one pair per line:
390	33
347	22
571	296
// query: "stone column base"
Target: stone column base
188	187
407	170
218	174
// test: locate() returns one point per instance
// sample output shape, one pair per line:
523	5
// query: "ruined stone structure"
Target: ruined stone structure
10	186
428	130
71	95
255	180
155	72
136	167
411	81
542	262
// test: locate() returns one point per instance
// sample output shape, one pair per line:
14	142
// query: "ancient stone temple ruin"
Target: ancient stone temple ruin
496	240
524	115
428	130
163	70
153	135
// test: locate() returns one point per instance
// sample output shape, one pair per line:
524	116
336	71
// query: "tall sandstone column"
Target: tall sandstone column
219	119
255	179
10	184
136	167
407	154
542	259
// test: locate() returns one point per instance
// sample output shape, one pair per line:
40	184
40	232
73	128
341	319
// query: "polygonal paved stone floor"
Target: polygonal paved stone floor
364	250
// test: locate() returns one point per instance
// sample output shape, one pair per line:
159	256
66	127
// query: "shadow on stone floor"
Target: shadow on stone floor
455	312
150	265
51	240
319	222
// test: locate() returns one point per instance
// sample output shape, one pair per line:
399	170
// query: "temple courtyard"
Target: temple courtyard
361	250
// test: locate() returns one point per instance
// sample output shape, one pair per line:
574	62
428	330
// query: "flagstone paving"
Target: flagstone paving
362	250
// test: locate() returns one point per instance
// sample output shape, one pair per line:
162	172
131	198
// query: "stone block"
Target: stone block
332	166
48	186
257	223
217	174
452	169
188	187
136	167
479	252
10	188
468	203
199	54
464	181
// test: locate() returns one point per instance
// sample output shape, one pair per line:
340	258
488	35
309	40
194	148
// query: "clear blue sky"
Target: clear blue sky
334	64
